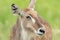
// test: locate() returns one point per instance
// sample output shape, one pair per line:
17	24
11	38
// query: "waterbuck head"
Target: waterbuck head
31	24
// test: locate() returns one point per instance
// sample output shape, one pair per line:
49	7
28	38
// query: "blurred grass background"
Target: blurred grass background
47	9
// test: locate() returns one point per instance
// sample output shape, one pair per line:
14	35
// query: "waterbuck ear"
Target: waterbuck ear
32	4
16	10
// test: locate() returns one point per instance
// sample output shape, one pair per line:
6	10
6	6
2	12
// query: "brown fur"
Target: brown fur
16	31
39	21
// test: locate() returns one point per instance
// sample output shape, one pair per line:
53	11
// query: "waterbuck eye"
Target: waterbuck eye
28	17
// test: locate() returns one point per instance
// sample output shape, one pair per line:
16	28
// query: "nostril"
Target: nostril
42	31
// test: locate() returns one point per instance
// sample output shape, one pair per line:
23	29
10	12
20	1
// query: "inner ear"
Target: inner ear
16	10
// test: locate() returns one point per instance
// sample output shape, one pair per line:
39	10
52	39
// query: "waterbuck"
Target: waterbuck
29	25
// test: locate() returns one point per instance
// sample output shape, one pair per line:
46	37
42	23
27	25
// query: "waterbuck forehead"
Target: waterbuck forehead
31	12
35	16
